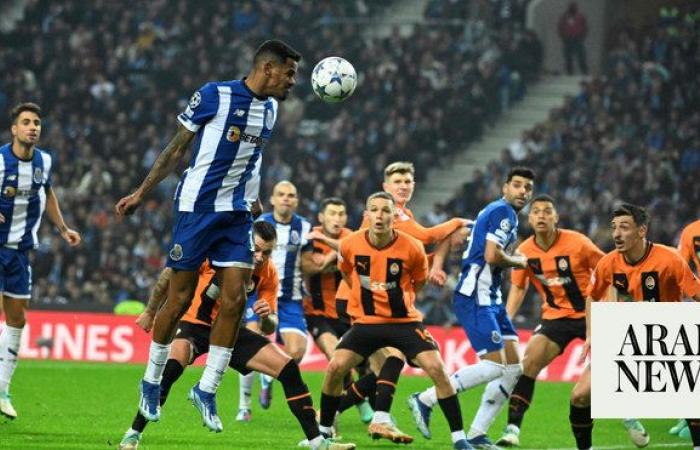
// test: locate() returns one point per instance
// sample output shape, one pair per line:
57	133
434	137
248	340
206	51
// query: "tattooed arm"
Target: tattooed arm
164	164
157	298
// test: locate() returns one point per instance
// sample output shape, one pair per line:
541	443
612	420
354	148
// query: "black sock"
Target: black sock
357	391
386	383
299	399
329	406
520	400
347	381
453	413
582	426
694	427
173	370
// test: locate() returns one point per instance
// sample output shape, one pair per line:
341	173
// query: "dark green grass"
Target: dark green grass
89	406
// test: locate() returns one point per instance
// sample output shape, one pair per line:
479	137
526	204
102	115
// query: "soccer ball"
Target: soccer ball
333	79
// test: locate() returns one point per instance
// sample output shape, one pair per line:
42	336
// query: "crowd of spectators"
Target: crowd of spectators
111	80
631	134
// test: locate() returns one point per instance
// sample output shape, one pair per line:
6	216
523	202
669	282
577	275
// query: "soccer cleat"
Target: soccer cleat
421	415
637	433
678	427
244	415
331	444
265	397
366	411
482	442
684	433
462	444
130	441
388	431
149	401
511	437
6	408
205	402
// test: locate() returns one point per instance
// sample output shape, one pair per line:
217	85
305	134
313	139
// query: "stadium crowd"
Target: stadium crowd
629	134
111	81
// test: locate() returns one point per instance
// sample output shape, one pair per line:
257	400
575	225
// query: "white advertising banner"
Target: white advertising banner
645	360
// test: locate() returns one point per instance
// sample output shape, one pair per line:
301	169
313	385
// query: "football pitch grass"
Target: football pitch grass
64	405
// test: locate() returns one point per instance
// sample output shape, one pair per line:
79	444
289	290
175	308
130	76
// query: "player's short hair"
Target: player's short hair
401	167
380	194
22	107
520	171
331	201
265	230
277	50
638	213
543	198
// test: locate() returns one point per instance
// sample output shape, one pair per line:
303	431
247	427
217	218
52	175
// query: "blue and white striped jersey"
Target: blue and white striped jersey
22	196
497	222
286	256
232	127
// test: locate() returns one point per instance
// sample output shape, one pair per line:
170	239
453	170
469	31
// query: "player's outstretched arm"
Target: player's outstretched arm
437	273
158	295
164	164
53	210
496	256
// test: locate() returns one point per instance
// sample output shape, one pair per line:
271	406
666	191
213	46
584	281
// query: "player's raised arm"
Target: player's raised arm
53	210
164	164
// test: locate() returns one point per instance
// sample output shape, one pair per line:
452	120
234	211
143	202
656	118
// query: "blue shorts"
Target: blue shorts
486	326
15	273
291	317
225	238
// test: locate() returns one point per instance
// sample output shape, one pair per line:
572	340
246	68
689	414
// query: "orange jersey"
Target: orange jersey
689	245
206	301
660	276
406	223
561	274
383	280
322	287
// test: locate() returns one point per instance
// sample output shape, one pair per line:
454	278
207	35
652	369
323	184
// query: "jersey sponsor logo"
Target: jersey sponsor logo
394	268
505	225
10	191
38	175
176	252
374	285
195	100
234	134
556	281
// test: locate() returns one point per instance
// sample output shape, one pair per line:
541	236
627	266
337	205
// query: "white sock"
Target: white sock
132	431
328	431
245	390
381	417
493	399
217	360
157	357
466	378
265	381
9	351
458	436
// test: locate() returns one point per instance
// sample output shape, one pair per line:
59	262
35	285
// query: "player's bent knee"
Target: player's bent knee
580	397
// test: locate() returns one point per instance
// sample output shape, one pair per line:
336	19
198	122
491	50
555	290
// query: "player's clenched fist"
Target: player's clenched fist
127	205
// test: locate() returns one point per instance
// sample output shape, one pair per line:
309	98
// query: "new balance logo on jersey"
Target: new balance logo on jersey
239	113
